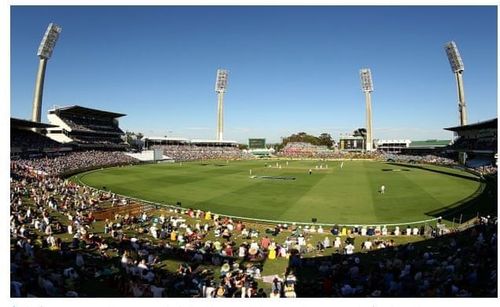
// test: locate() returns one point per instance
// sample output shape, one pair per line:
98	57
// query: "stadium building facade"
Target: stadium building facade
427	147
28	139
475	144
391	146
86	128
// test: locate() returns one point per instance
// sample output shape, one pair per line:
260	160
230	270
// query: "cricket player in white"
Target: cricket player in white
342	165
382	189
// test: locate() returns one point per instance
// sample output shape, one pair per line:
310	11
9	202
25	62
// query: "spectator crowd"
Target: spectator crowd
73	161
59	248
189	152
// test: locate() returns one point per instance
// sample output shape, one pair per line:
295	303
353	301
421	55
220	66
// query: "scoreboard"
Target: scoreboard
256	143
352	143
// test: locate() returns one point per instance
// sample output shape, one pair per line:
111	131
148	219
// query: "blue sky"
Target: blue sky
291	69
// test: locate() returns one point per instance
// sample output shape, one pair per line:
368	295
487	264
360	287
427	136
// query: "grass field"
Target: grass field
348	195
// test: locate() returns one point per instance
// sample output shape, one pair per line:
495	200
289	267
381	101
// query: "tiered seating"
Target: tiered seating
193	152
462	143
30	140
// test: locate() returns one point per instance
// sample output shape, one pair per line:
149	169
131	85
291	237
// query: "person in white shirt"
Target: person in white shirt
242	251
337	243
254	245
349	249
142	265
208	290
154	231
326	242
367	245
125	259
382	189
320	229
275	294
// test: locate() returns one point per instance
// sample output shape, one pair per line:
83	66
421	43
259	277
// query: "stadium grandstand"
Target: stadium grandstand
61	242
181	149
80	225
305	150
427	147
28	139
476	143
86	128
391	146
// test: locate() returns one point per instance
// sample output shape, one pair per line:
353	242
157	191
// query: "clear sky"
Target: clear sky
291	69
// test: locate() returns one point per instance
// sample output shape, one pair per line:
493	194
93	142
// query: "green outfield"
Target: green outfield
287	192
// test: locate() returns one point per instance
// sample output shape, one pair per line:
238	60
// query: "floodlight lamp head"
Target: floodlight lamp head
456	63
366	80
221	82
49	41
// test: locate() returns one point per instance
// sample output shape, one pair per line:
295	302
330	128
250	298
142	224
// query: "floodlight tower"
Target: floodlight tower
44	53
367	87
457	66
220	89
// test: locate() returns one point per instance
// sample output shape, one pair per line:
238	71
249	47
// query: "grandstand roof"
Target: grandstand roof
491	123
161	138
392	141
195	141
351	137
429	143
86	111
22	123
212	142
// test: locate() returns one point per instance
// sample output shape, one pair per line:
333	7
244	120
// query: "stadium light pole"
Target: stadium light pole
367	87
457	66
44	53
220	89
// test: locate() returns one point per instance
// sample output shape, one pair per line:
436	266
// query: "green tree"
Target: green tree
299	137
326	139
